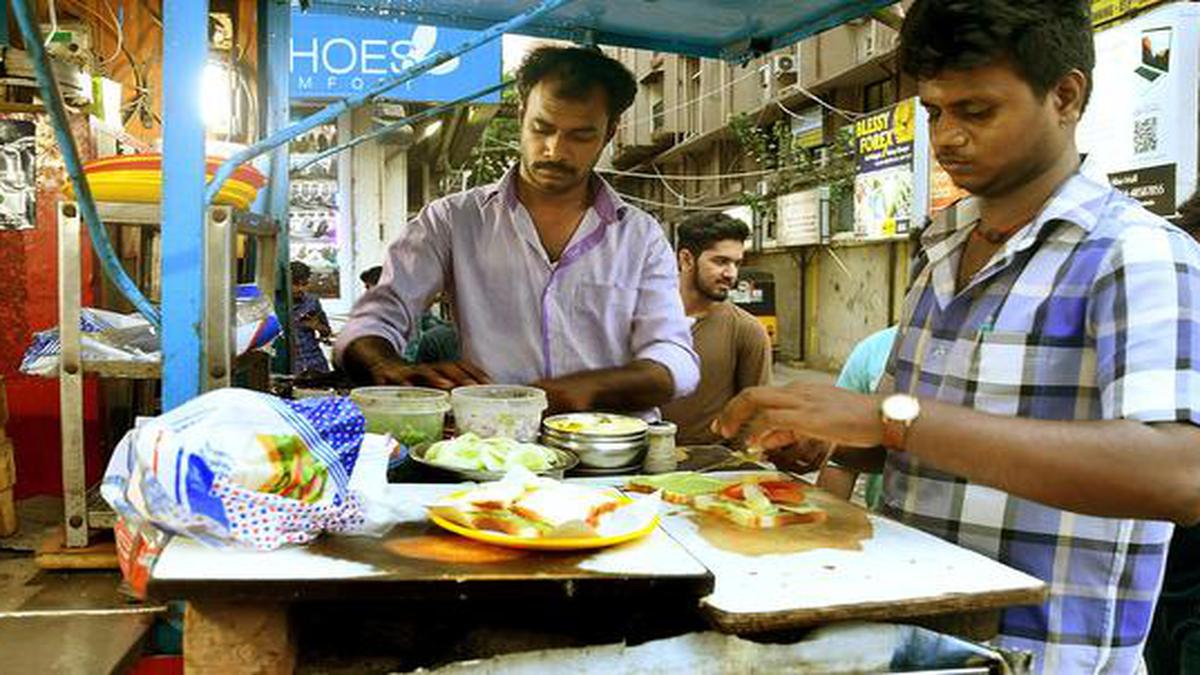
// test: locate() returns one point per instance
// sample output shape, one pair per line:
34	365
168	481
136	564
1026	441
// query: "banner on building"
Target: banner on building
942	190
334	55
885	145
1139	131
799	217
808	127
1106	11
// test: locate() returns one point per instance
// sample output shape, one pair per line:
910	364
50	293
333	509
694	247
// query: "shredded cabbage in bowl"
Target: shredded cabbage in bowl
489	454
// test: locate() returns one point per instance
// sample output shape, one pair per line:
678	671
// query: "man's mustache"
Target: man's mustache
553	166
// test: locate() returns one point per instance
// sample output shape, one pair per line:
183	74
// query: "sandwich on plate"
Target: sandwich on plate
524	505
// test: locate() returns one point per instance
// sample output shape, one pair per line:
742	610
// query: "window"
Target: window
879	94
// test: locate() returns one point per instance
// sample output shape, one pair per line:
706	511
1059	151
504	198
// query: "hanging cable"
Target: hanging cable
717	176
848	115
53	23
682	197
699	98
52	99
664	205
120	29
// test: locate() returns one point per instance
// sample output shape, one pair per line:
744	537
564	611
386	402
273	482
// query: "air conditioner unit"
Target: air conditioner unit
868	41
783	65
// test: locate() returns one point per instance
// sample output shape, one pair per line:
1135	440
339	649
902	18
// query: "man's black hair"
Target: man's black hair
1042	39
371	275
300	271
700	232
577	71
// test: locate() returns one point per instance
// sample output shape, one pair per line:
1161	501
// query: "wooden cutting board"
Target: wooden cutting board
419	561
854	566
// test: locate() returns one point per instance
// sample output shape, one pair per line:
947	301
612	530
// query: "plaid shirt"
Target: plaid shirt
1090	312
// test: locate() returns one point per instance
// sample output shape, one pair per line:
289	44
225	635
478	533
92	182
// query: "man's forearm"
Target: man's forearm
364	354
1109	468
640	385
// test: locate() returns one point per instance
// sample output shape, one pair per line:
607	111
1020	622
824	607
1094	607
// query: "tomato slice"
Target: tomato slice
778	491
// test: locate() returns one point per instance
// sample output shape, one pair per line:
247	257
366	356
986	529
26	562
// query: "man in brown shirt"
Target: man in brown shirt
734	349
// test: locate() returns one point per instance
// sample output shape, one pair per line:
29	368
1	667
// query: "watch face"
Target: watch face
901	407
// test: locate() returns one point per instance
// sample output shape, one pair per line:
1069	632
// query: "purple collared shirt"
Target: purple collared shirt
611	298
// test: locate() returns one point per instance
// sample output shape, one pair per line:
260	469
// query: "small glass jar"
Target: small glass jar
660	457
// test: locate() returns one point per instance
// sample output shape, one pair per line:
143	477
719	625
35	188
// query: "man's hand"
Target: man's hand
567	394
640	385
802	456
777	417
444	375
373	360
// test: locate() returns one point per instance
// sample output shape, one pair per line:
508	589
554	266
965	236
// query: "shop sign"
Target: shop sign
333	56
808	127
884	139
1139	128
1107	11
1152	187
885	143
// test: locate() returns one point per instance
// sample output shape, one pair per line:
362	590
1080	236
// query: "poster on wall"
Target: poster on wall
799	217
883	189
18	174
942	190
1139	132
314	210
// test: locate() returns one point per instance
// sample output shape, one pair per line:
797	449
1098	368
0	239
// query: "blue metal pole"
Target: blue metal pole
185	50
411	119
332	111
275	30
70	153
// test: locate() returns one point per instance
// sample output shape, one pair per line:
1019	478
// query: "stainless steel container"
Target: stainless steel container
593	444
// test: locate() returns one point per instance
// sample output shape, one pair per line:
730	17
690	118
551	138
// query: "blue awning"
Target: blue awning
729	29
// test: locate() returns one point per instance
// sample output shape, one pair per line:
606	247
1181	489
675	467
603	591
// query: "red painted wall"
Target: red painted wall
29	303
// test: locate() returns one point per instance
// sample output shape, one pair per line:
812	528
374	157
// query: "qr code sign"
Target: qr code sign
1145	135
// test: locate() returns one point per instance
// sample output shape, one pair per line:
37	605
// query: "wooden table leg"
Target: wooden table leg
222	637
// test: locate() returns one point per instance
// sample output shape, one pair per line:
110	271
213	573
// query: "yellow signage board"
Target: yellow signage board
1107	11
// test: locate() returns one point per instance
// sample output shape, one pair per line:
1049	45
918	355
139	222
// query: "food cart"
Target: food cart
243	606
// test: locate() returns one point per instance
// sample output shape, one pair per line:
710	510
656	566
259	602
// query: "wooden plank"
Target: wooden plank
63	642
54	554
8	478
124	370
221	637
419	561
855	566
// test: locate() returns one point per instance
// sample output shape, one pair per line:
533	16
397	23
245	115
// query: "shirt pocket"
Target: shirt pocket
1016	373
605	304
604	308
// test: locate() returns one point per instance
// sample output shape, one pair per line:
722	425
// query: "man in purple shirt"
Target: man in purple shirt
553	279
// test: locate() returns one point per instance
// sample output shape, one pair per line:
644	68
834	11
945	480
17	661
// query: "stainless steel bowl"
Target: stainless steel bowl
563	462
594	454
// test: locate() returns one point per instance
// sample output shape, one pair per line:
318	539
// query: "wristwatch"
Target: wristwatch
898	411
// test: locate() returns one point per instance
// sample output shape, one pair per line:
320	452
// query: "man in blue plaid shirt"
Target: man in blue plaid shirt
1042	401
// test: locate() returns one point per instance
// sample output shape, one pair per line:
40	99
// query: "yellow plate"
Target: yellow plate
148	190
544	543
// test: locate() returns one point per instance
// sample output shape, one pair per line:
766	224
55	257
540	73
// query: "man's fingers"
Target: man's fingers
752	403
431	376
476	373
